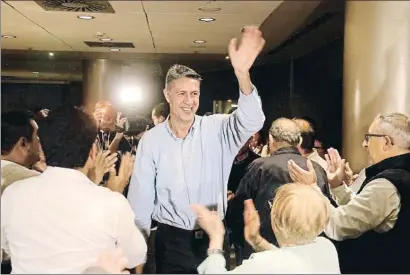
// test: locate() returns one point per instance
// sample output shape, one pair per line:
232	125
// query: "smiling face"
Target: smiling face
183	97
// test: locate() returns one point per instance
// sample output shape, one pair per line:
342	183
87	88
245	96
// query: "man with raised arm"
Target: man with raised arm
187	159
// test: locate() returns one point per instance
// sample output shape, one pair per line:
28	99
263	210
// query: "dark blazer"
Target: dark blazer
264	176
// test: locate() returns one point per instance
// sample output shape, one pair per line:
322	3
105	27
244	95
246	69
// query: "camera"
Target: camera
136	125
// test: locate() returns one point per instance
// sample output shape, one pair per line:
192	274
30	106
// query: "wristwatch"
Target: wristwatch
215	251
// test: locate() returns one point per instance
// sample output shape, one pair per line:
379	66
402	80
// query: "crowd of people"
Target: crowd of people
103	193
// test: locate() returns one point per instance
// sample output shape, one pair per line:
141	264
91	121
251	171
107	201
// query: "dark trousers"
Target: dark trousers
6	267
179	251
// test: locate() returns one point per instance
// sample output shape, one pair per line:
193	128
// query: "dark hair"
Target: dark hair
15	125
161	109
67	136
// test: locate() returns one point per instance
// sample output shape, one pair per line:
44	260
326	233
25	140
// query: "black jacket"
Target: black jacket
264	176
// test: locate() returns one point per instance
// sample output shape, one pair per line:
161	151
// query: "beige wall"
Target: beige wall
376	69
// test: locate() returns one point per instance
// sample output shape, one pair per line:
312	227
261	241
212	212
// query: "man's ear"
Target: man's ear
300	141
166	94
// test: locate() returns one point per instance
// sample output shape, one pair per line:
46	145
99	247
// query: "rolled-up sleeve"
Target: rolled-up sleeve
378	203
244	122
141	193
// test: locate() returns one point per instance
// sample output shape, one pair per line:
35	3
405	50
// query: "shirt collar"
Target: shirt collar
191	130
66	173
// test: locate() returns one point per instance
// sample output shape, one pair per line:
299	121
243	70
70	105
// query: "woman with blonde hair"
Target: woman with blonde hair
299	214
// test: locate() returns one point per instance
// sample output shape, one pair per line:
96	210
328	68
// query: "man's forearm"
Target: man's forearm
245	83
261	245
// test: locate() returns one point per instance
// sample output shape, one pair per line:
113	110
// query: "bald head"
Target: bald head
299	214
284	130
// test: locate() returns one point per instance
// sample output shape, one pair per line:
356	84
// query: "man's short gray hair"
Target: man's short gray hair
396	126
285	130
179	71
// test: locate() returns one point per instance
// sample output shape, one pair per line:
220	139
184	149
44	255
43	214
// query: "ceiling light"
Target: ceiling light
207	19
35	72
105	39
85	17
227	57
115	50
50	54
209	9
199	41
8	36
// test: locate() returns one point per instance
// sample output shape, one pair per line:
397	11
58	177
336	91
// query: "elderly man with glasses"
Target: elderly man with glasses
374	223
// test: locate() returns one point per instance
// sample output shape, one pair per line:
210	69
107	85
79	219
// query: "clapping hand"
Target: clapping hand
119	182
211	223
252	223
103	162
336	171
120	122
300	175
351	177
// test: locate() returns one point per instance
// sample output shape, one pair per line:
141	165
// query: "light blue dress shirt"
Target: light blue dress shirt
172	173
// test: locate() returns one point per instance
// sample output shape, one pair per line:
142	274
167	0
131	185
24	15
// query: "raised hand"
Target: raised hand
252	223
98	116
243	56
103	162
300	175
118	182
120	122
209	221
350	176
336	172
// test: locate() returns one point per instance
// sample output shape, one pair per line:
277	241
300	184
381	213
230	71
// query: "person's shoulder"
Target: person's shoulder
111	198
19	183
153	134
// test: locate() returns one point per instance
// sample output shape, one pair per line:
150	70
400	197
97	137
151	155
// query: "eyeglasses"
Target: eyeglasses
368	136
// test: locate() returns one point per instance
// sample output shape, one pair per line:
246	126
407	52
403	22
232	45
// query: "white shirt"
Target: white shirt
11	172
376	207
315	258
60	221
318	159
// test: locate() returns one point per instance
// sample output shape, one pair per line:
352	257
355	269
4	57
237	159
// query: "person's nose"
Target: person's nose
188	100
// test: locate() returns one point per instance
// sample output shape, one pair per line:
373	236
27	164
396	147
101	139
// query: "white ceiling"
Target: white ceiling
152	26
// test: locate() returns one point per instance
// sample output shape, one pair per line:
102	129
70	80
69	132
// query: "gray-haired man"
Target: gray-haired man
266	175
187	159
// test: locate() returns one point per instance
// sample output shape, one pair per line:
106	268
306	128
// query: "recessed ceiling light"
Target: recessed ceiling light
105	39
199	41
50	54
35	72
227	57
114	50
8	36
207	19
209	9
85	17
